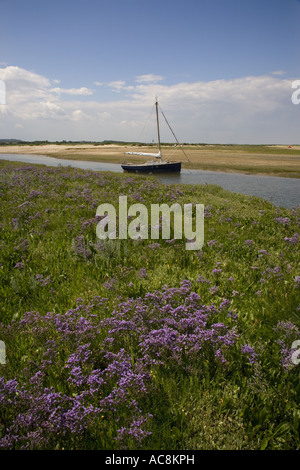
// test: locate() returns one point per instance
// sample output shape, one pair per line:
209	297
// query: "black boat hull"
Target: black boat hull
154	168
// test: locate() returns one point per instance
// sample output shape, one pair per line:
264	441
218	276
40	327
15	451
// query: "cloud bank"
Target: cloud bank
253	109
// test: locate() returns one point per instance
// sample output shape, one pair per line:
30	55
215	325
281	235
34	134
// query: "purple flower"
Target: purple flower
249	352
293	240
80	247
34	194
283	220
263	252
142	273
202	279
216	271
19	265
15	223
23	246
42	281
110	284
213	289
154	246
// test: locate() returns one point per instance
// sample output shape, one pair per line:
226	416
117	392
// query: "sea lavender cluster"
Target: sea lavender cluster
282	220
87	373
292	240
72	383
174	324
41	280
81	248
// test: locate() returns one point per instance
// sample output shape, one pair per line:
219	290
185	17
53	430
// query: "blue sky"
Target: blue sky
90	70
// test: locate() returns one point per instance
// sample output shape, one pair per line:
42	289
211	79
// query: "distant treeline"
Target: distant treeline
250	147
80	142
68	142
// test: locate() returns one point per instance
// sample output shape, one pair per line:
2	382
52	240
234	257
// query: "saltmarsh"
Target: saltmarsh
127	344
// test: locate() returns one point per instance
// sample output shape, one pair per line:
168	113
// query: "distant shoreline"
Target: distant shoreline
273	160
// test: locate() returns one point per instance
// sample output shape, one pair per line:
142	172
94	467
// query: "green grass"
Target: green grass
48	224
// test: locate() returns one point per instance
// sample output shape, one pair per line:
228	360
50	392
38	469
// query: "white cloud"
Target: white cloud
2	92
117	85
279	72
148	78
79	115
253	109
83	91
104	116
22	77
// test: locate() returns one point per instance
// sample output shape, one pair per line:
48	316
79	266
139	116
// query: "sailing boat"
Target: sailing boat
153	166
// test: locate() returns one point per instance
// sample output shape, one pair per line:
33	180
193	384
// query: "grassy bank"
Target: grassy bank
143	344
251	159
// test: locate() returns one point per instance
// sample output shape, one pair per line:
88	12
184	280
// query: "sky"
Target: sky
90	70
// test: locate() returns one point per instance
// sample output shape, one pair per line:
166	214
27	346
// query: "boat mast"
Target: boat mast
157	122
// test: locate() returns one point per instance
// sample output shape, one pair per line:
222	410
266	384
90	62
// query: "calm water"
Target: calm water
284	192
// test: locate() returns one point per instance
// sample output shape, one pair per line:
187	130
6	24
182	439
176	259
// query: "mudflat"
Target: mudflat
276	160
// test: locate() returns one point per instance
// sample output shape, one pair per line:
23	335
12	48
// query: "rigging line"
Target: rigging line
143	131
146	124
174	135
